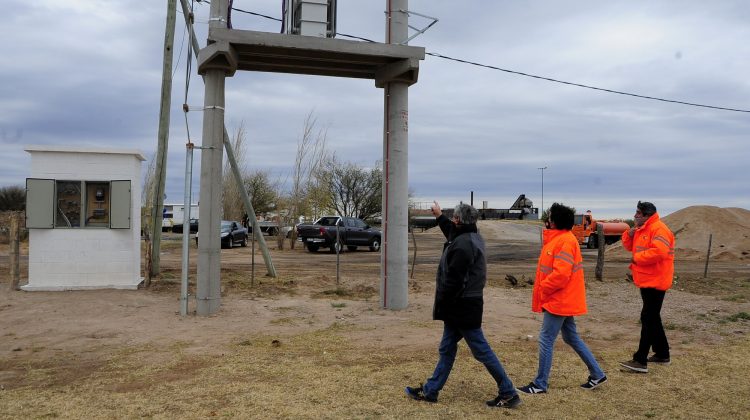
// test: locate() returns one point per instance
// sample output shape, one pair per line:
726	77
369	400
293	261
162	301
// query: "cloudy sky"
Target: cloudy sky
88	73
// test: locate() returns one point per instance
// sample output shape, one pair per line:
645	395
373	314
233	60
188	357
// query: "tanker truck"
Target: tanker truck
585	227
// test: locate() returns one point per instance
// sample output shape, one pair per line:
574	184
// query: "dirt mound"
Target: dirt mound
516	231
503	230
692	226
507	230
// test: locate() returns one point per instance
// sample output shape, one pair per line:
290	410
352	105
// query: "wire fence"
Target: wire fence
5	217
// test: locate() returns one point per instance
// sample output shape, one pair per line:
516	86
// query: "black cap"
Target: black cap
646	208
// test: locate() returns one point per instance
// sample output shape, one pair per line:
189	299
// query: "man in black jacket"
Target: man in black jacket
461	277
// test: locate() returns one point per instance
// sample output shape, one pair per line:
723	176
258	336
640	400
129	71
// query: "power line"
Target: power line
519	73
549	79
255	14
245	11
179	54
355	37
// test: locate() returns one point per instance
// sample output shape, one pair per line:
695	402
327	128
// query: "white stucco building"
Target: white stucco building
83	215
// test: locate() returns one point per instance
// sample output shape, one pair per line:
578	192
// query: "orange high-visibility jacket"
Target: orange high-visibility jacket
653	254
559	286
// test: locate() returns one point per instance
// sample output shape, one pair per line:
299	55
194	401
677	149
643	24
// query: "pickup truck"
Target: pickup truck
352	233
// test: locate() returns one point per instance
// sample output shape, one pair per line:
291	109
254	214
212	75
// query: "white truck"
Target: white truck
174	214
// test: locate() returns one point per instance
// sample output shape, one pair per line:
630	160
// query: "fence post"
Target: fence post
414	257
147	265
252	258
15	251
601	244
708	255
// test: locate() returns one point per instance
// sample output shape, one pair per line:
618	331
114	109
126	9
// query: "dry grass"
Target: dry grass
337	357
324	375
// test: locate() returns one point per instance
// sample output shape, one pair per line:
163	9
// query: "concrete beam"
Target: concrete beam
283	53
405	71
218	56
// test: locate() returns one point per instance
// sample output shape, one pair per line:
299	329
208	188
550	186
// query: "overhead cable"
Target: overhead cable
519	73
549	79
245	11
179	54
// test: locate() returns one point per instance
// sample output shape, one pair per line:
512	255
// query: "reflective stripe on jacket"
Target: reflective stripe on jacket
653	254
559	287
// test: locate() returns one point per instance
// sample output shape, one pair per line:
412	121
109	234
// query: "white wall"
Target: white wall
86	258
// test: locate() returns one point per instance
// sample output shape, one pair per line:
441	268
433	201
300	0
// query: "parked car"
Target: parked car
193	227
352	233
232	233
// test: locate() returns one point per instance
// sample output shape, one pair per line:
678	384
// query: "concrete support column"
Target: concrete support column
395	242
209	244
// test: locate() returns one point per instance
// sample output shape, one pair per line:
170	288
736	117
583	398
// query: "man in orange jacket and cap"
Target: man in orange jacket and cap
560	293
652	266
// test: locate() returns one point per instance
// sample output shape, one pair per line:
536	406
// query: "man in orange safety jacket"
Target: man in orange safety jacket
652	267
560	293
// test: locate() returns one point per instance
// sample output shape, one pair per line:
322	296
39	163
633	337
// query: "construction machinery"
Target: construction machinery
521	209
585	228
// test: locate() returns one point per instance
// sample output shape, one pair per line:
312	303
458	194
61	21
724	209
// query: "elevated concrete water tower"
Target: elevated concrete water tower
308	47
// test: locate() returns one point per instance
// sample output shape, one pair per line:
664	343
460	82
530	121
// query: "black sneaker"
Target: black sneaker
505	402
634	366
659	360
417	393
531	388
593	383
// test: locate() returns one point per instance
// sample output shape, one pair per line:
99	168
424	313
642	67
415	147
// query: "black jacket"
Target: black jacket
461	276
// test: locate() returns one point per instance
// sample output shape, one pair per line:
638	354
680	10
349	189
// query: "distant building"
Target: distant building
174	214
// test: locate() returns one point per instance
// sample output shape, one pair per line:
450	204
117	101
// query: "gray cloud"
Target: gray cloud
92	76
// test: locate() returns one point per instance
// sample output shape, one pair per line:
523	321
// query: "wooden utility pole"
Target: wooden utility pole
163	138
708	255
15	251
414	257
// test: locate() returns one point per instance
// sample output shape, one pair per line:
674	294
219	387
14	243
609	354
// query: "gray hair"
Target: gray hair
466	214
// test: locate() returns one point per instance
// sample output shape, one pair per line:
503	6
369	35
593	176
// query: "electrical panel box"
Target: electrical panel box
54	203
310	18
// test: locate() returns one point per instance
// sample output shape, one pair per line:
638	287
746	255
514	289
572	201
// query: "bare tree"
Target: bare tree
319	195
311	152
232	205
350	189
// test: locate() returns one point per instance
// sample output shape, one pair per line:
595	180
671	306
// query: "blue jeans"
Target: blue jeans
481	351
551	327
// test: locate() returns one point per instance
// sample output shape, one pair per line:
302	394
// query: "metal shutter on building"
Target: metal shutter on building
120	204
40	203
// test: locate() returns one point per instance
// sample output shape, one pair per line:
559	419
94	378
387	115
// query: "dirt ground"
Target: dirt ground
56	340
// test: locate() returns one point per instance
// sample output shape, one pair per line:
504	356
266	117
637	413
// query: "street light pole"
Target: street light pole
542	169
